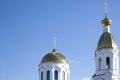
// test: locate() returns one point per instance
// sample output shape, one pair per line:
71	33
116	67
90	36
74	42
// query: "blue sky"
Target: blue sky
27	28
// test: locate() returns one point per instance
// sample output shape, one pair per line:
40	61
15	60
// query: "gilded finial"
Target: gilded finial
106	21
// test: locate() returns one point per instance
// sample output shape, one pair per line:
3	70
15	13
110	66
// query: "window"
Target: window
48	75
108	62
41	75
99	63
56	75
63	74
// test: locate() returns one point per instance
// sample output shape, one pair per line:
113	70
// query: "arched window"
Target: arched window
48	75
108	62
99	63
41	75
56	75
63	75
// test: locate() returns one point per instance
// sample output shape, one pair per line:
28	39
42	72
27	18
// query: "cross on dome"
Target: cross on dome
106	8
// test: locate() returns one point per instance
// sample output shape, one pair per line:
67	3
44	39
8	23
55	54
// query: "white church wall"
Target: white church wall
52	67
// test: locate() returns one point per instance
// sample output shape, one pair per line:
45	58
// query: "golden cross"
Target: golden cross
54	42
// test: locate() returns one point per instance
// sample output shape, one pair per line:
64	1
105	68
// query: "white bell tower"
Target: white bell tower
106	54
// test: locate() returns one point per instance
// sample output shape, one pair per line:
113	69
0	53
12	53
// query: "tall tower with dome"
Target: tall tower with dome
54	66
106	54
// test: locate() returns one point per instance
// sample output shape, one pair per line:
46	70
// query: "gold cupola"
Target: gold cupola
106	40
106	22
54	57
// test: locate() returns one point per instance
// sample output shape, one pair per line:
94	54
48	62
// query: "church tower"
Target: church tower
106	54
54	66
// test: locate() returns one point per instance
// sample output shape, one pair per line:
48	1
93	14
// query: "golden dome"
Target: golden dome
54	57
106	41
106	22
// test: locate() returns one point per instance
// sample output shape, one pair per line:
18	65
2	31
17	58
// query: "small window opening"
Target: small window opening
41	75
48	75
99	63
108	62
56	75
